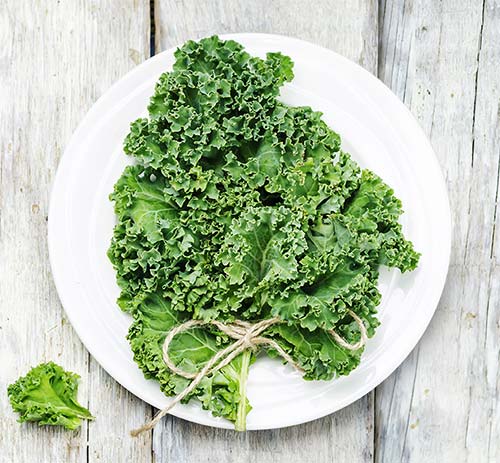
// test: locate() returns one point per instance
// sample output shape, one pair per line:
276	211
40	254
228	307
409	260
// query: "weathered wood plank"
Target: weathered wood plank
482	255
347	27
343	436
442	59
57	58
350	28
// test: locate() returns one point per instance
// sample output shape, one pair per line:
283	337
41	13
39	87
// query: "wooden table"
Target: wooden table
442	58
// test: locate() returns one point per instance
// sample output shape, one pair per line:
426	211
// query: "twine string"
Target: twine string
246	336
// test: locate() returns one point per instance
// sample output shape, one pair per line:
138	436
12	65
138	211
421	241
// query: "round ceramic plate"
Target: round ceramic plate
376	129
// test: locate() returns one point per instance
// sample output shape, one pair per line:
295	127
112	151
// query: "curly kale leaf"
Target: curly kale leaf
222	393
216	97
47	395
241	207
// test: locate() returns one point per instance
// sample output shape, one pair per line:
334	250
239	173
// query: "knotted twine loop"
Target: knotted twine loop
247	336
362	331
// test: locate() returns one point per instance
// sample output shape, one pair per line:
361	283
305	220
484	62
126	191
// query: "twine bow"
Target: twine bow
247	336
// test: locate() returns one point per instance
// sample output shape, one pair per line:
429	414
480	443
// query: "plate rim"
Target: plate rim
58	186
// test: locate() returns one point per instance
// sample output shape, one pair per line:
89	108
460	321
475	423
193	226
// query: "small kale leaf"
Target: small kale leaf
47	395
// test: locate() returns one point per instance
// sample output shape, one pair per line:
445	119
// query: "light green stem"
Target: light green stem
241	416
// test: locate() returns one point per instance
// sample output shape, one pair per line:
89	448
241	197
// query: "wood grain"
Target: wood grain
350	28
57	58
442	59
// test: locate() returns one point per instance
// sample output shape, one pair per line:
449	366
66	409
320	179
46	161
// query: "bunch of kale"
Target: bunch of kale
241	207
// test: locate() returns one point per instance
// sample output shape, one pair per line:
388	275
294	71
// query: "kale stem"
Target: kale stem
241	416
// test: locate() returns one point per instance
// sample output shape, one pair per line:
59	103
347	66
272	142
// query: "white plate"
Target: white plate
376	129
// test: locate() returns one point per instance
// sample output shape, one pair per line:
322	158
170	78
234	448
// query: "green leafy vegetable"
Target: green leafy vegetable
241	207
47	394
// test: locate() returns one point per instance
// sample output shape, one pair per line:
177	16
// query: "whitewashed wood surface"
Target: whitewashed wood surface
442	58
